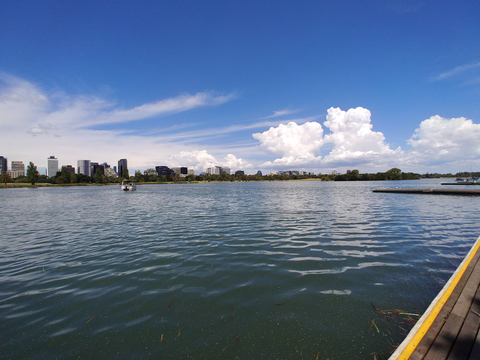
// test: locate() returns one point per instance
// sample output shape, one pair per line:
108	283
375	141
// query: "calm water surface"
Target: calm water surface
285	270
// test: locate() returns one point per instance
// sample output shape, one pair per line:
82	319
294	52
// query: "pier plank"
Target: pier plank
468	333
449	333
475	354
442	334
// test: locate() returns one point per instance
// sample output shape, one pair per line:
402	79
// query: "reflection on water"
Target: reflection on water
247	270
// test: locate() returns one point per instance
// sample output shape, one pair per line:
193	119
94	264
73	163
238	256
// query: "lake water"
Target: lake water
285	270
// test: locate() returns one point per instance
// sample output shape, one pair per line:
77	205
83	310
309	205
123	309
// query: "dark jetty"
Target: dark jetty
431	191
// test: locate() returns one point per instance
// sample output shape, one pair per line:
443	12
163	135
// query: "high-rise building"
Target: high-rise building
3	165
83	167
122	164
52	166
19	168
163	170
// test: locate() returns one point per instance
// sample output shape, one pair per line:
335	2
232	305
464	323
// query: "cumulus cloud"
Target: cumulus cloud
441	140
353	138
200	160
296	143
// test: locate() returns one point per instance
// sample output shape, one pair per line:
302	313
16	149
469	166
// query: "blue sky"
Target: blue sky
254	85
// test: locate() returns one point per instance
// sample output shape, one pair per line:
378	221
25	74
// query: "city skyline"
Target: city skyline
251	86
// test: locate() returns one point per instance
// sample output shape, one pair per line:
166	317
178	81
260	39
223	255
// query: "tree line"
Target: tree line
63	176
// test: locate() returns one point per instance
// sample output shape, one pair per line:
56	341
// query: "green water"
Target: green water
285	270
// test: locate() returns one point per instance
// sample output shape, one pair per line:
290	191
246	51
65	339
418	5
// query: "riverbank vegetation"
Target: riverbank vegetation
65	178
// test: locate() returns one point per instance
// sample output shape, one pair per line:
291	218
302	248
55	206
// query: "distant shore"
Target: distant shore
45	185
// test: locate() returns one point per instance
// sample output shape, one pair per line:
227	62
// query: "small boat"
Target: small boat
128	185
468	181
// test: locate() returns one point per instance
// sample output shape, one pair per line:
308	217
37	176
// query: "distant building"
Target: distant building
259	173
115	169
70	169
19	167
239	172
83	167
191	172
122	164
163	170
150	171
13	174
182	171
52	166
94	166
110	173
3	165
217	170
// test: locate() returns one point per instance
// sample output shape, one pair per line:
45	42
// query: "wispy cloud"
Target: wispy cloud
456	71
162	107
280	113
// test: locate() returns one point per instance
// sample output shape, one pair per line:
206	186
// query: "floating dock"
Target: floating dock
431	191
449	328
467	183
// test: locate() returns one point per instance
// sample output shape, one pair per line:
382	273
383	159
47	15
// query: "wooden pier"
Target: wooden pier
449	328
431	191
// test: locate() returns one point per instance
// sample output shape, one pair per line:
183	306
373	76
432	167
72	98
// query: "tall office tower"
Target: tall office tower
3	165
52	166
83	167
122	164
19	168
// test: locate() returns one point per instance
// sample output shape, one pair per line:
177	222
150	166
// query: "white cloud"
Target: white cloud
294	142
200	160
235	163
353	138
36	124
280	113
456	71
440	140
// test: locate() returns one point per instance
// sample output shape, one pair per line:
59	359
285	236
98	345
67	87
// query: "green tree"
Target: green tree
139	176
394	174
98	176
6	178
73	178
125	174
32	173
65	174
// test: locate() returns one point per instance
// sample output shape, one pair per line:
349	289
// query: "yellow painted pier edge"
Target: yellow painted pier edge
407	347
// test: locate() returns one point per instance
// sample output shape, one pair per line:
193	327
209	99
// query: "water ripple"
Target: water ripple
92	272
